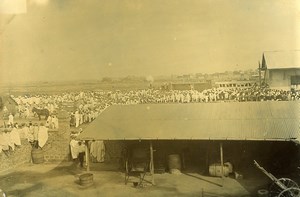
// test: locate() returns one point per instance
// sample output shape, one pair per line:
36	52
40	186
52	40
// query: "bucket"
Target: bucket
262	193
216	170
37	156
174	162
86	179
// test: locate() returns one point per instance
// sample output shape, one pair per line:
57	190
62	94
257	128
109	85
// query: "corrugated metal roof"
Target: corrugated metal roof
220	121
281	59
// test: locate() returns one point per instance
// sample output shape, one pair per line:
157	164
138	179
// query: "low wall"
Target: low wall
12	159
56	148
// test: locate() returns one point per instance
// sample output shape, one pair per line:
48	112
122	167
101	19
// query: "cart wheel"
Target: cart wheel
275	190
290	192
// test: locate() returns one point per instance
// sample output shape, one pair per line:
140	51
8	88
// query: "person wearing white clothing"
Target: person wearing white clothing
6	138
54	122
77	119
15	136
74	148
42	135
49	122
27	133
10	119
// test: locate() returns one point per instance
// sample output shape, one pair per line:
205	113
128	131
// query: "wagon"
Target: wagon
282	187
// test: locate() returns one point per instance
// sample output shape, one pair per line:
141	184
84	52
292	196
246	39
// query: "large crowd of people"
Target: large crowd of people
84	107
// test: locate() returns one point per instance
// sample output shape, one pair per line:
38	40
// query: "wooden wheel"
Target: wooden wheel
275	190
290	192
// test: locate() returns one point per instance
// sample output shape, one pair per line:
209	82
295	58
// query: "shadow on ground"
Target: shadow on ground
30	179
61	179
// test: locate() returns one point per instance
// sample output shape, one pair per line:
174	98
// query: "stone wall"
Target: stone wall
56	148
11	159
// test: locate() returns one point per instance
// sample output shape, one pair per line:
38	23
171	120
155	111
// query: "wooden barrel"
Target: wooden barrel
174	162
86	179
37	156
216	170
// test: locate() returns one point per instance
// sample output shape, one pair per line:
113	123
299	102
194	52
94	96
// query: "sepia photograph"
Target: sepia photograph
150	98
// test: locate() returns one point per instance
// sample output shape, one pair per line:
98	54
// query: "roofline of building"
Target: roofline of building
283	68
194	139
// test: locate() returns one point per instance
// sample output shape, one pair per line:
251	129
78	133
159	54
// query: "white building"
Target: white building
282	69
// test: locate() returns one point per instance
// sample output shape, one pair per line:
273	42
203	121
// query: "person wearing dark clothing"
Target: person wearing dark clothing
81	150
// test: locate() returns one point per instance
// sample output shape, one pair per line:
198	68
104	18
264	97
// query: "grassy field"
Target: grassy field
59	87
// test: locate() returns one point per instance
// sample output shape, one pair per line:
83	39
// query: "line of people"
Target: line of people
86	106
36	135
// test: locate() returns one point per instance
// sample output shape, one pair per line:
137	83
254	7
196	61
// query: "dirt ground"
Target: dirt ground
62	180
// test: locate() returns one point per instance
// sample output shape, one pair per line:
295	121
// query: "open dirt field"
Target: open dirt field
59	87
62	180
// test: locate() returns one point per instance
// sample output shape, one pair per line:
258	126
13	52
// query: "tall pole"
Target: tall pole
259	72
87	156
222	162
151	164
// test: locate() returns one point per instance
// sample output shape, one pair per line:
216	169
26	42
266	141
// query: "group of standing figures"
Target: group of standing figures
77	151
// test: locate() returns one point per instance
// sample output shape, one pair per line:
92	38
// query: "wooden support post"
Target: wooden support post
207	156
151	164
87	156
222	162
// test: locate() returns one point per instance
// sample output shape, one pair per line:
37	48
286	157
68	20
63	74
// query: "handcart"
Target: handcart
282	187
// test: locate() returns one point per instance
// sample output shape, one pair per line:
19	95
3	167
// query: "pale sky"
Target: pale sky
85	39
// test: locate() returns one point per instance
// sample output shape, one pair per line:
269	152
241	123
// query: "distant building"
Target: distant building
199	86
282	69
234	84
